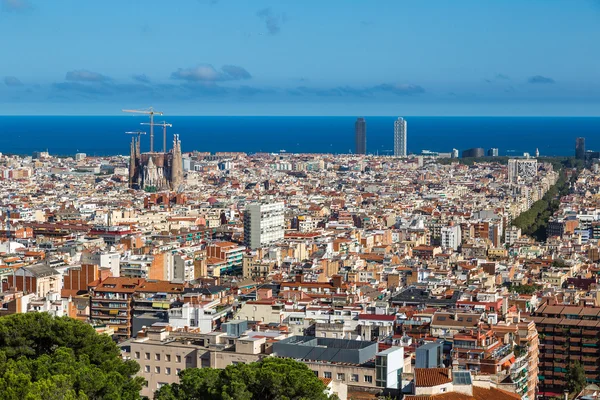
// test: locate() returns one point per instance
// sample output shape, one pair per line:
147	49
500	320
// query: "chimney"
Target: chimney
566	395
449	370
299	278
337	281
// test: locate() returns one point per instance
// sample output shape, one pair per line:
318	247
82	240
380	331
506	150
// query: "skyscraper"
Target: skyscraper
400	137
360	136
580	148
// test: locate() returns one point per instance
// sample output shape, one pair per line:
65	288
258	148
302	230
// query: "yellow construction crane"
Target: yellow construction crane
164	126
150	111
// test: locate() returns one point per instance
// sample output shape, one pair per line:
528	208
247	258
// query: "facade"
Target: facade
522	169
475	152
360	136
155	171
400	137
451	237
580	148
566	334
264	224
493	152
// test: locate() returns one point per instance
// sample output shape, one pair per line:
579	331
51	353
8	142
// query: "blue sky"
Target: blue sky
293	57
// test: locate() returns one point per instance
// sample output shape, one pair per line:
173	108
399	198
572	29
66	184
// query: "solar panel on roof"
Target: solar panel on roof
461	377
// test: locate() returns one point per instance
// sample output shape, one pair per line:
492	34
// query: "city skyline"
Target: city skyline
230	57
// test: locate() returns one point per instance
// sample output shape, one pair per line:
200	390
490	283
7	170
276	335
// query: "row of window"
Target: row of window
157	370
157	357
342	377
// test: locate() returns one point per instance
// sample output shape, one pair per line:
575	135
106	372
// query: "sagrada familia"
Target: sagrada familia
155	171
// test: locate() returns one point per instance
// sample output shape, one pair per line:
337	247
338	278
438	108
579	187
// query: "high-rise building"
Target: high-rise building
522	168
493	152
475	152
580	148
360	136
400	137
264	224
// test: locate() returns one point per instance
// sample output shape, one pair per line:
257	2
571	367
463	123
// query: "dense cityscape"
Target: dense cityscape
427	275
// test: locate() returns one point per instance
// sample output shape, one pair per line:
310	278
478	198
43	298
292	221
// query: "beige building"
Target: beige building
163	353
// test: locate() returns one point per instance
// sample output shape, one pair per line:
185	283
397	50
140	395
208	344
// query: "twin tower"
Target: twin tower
360	137
155	171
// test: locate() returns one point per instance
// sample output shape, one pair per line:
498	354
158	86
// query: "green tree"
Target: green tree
269	379
48	358
575	377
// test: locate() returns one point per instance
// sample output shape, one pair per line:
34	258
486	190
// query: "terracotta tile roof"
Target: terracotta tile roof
326	381
478	394
427	377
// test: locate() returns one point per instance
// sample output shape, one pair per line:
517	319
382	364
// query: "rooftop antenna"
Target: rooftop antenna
149	111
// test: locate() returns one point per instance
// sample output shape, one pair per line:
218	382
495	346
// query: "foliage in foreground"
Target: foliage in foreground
48	358
269	379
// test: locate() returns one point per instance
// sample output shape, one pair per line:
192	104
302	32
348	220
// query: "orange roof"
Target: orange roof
478	394
427	377
325	381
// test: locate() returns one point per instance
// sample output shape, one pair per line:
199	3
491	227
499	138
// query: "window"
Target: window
168	357
147	356
354	378
178	359
178	370
316	373
157	370
442	390
368	379
327	375
157	357
137	355
147	368
341	377
167	371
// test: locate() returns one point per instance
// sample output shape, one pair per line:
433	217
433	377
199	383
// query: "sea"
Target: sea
105	135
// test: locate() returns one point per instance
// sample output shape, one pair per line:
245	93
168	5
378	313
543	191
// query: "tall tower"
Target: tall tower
360	136
177	166
400	137
580	148
132	161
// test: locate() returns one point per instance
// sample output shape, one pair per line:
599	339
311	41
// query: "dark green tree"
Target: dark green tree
269	379
43	357
575	377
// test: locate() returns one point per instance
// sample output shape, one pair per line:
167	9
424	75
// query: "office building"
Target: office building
580	148
360	136
264	224
454	153
473	153
400	137
493	152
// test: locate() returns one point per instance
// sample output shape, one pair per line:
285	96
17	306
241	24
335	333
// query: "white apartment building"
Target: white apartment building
400	137
264	224
451	237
